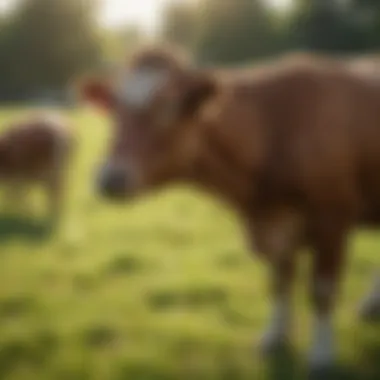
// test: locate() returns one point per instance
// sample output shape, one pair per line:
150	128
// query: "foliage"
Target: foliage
245	30
45	43
179	25
119	43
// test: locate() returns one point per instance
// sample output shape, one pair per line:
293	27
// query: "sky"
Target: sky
143	12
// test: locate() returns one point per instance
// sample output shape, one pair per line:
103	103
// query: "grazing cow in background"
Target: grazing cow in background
36	150
293	146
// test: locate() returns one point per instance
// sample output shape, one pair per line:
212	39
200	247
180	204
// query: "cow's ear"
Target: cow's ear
201	87
98	93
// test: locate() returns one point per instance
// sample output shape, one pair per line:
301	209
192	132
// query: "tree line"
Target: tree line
236	31
45	43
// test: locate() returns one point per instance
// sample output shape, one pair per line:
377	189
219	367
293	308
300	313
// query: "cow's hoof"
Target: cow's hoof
271	344
321	373
321	363
370	311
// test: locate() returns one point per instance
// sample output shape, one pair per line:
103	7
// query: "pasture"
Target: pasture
161	289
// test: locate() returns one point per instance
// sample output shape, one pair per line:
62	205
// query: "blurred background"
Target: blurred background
44	43
164	288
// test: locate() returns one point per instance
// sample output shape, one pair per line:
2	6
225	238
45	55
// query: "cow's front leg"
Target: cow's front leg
370	307
277	334
329	254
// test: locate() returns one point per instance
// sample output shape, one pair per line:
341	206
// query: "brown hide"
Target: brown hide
300	133
293	145
34	147
36	150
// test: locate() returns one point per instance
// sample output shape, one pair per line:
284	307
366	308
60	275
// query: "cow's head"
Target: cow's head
153	106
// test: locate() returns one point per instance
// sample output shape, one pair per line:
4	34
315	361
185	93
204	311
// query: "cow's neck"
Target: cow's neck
220	173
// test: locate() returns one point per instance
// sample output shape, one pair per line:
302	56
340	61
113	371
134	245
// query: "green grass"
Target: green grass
162	289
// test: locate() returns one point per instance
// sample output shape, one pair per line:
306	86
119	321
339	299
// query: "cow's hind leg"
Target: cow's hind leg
277	333
276	235
57	180
16	197
54	190
369	309
329	240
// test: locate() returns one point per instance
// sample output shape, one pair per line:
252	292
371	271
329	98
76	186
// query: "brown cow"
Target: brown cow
293	146
36	150
367	64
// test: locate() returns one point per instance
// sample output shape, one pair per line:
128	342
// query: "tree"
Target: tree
119	43
47	42
179	24
365	14
325	26
234	31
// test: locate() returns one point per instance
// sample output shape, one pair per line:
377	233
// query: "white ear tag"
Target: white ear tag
138	88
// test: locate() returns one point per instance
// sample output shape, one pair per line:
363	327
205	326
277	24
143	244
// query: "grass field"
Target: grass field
163	289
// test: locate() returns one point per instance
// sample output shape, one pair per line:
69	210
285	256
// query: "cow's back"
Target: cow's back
319	128
34	147
328	134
